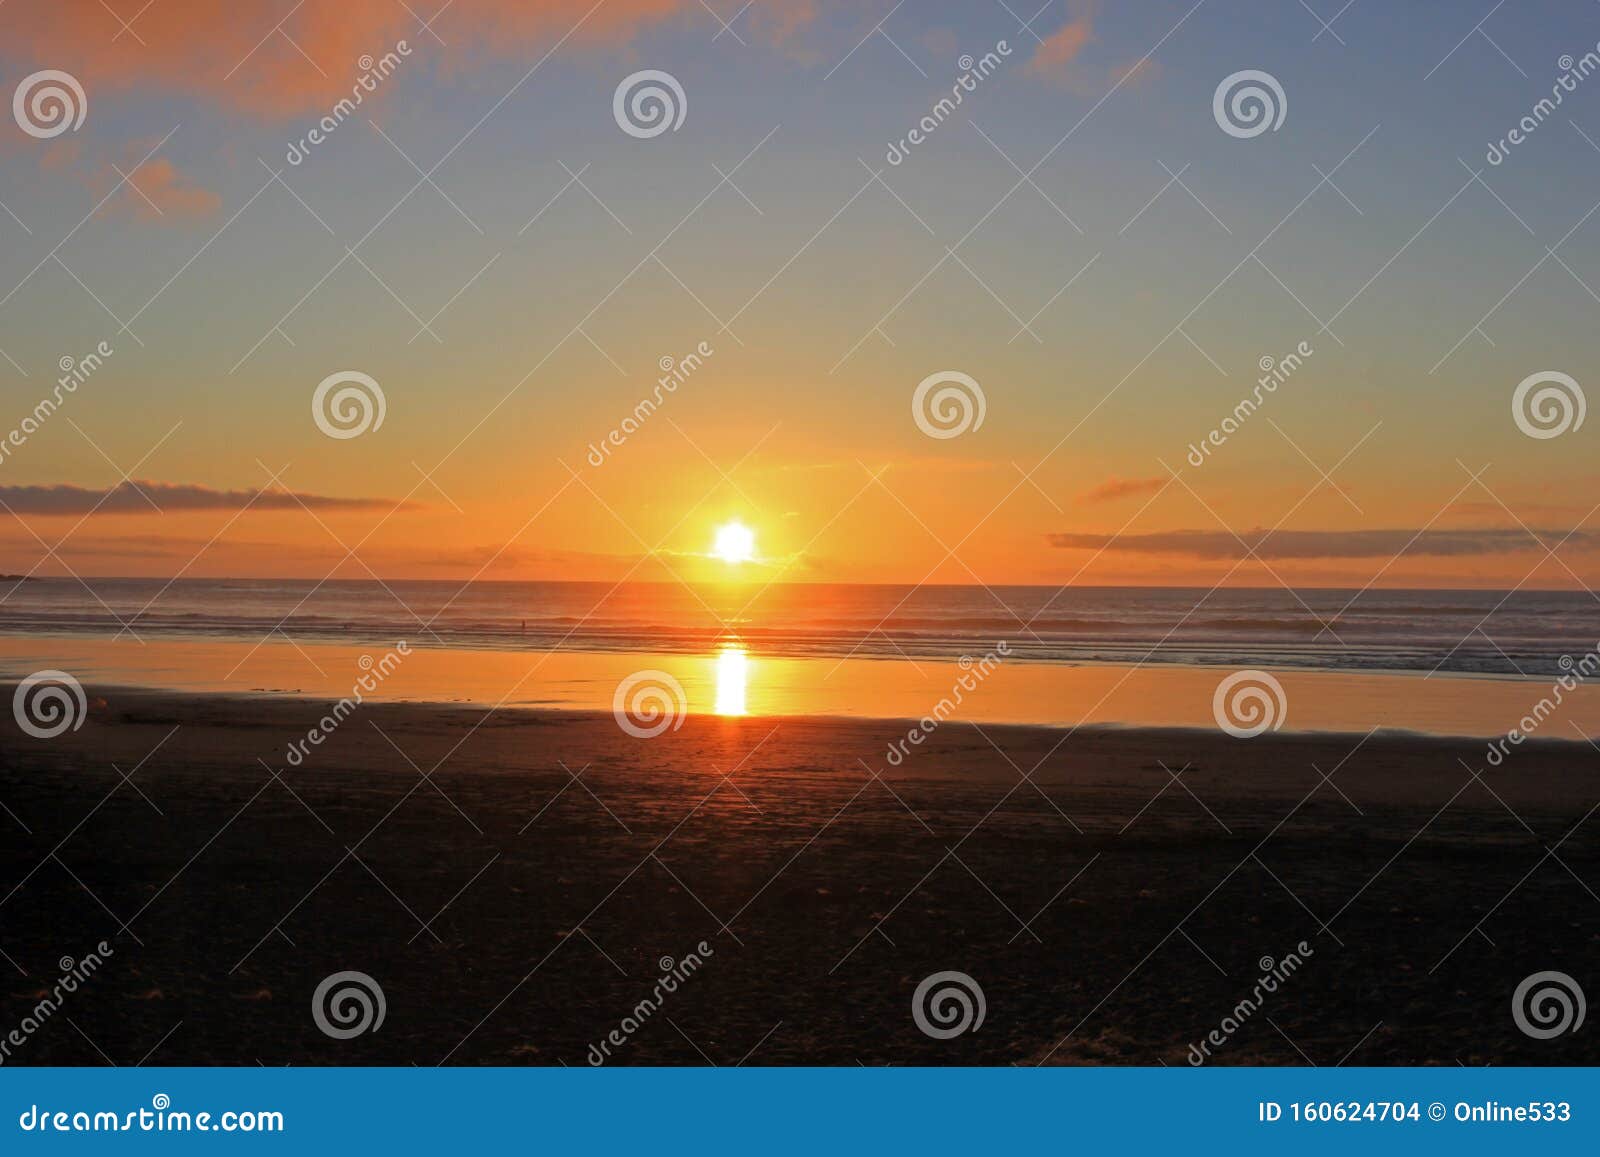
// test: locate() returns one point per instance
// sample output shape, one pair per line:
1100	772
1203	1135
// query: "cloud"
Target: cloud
161	548
170	497
279	60
1141	71
781	23
1494	510
1114	488
921	464
1061	47
1303	544
61	154
157	191
509	556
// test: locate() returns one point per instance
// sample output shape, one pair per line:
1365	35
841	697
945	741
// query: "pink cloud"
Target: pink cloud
1062	46
159	190
275	59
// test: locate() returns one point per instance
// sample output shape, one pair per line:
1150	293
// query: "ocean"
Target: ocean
1459	631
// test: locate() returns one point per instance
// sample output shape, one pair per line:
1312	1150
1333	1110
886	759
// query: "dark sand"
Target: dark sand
547	912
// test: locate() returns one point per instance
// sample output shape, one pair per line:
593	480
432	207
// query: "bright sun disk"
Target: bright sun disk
735	543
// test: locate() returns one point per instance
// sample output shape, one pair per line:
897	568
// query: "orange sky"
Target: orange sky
519	301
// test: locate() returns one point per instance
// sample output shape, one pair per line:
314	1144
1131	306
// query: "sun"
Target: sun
735	543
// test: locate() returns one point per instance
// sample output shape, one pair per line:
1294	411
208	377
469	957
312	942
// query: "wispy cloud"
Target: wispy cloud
1520	509
1323	544
158	191
144	497
1058	50
1138	72
1114	488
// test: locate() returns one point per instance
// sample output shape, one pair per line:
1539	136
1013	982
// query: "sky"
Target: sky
1080	242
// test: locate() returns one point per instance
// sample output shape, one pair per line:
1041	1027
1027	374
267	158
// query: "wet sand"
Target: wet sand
513	881
733	680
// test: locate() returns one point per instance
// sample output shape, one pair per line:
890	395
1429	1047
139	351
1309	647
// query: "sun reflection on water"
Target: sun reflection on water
733	668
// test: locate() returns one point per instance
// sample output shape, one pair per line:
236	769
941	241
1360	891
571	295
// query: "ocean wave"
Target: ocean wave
1525	632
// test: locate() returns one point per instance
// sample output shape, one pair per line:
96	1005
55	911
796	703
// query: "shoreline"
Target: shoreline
993	691
136	694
